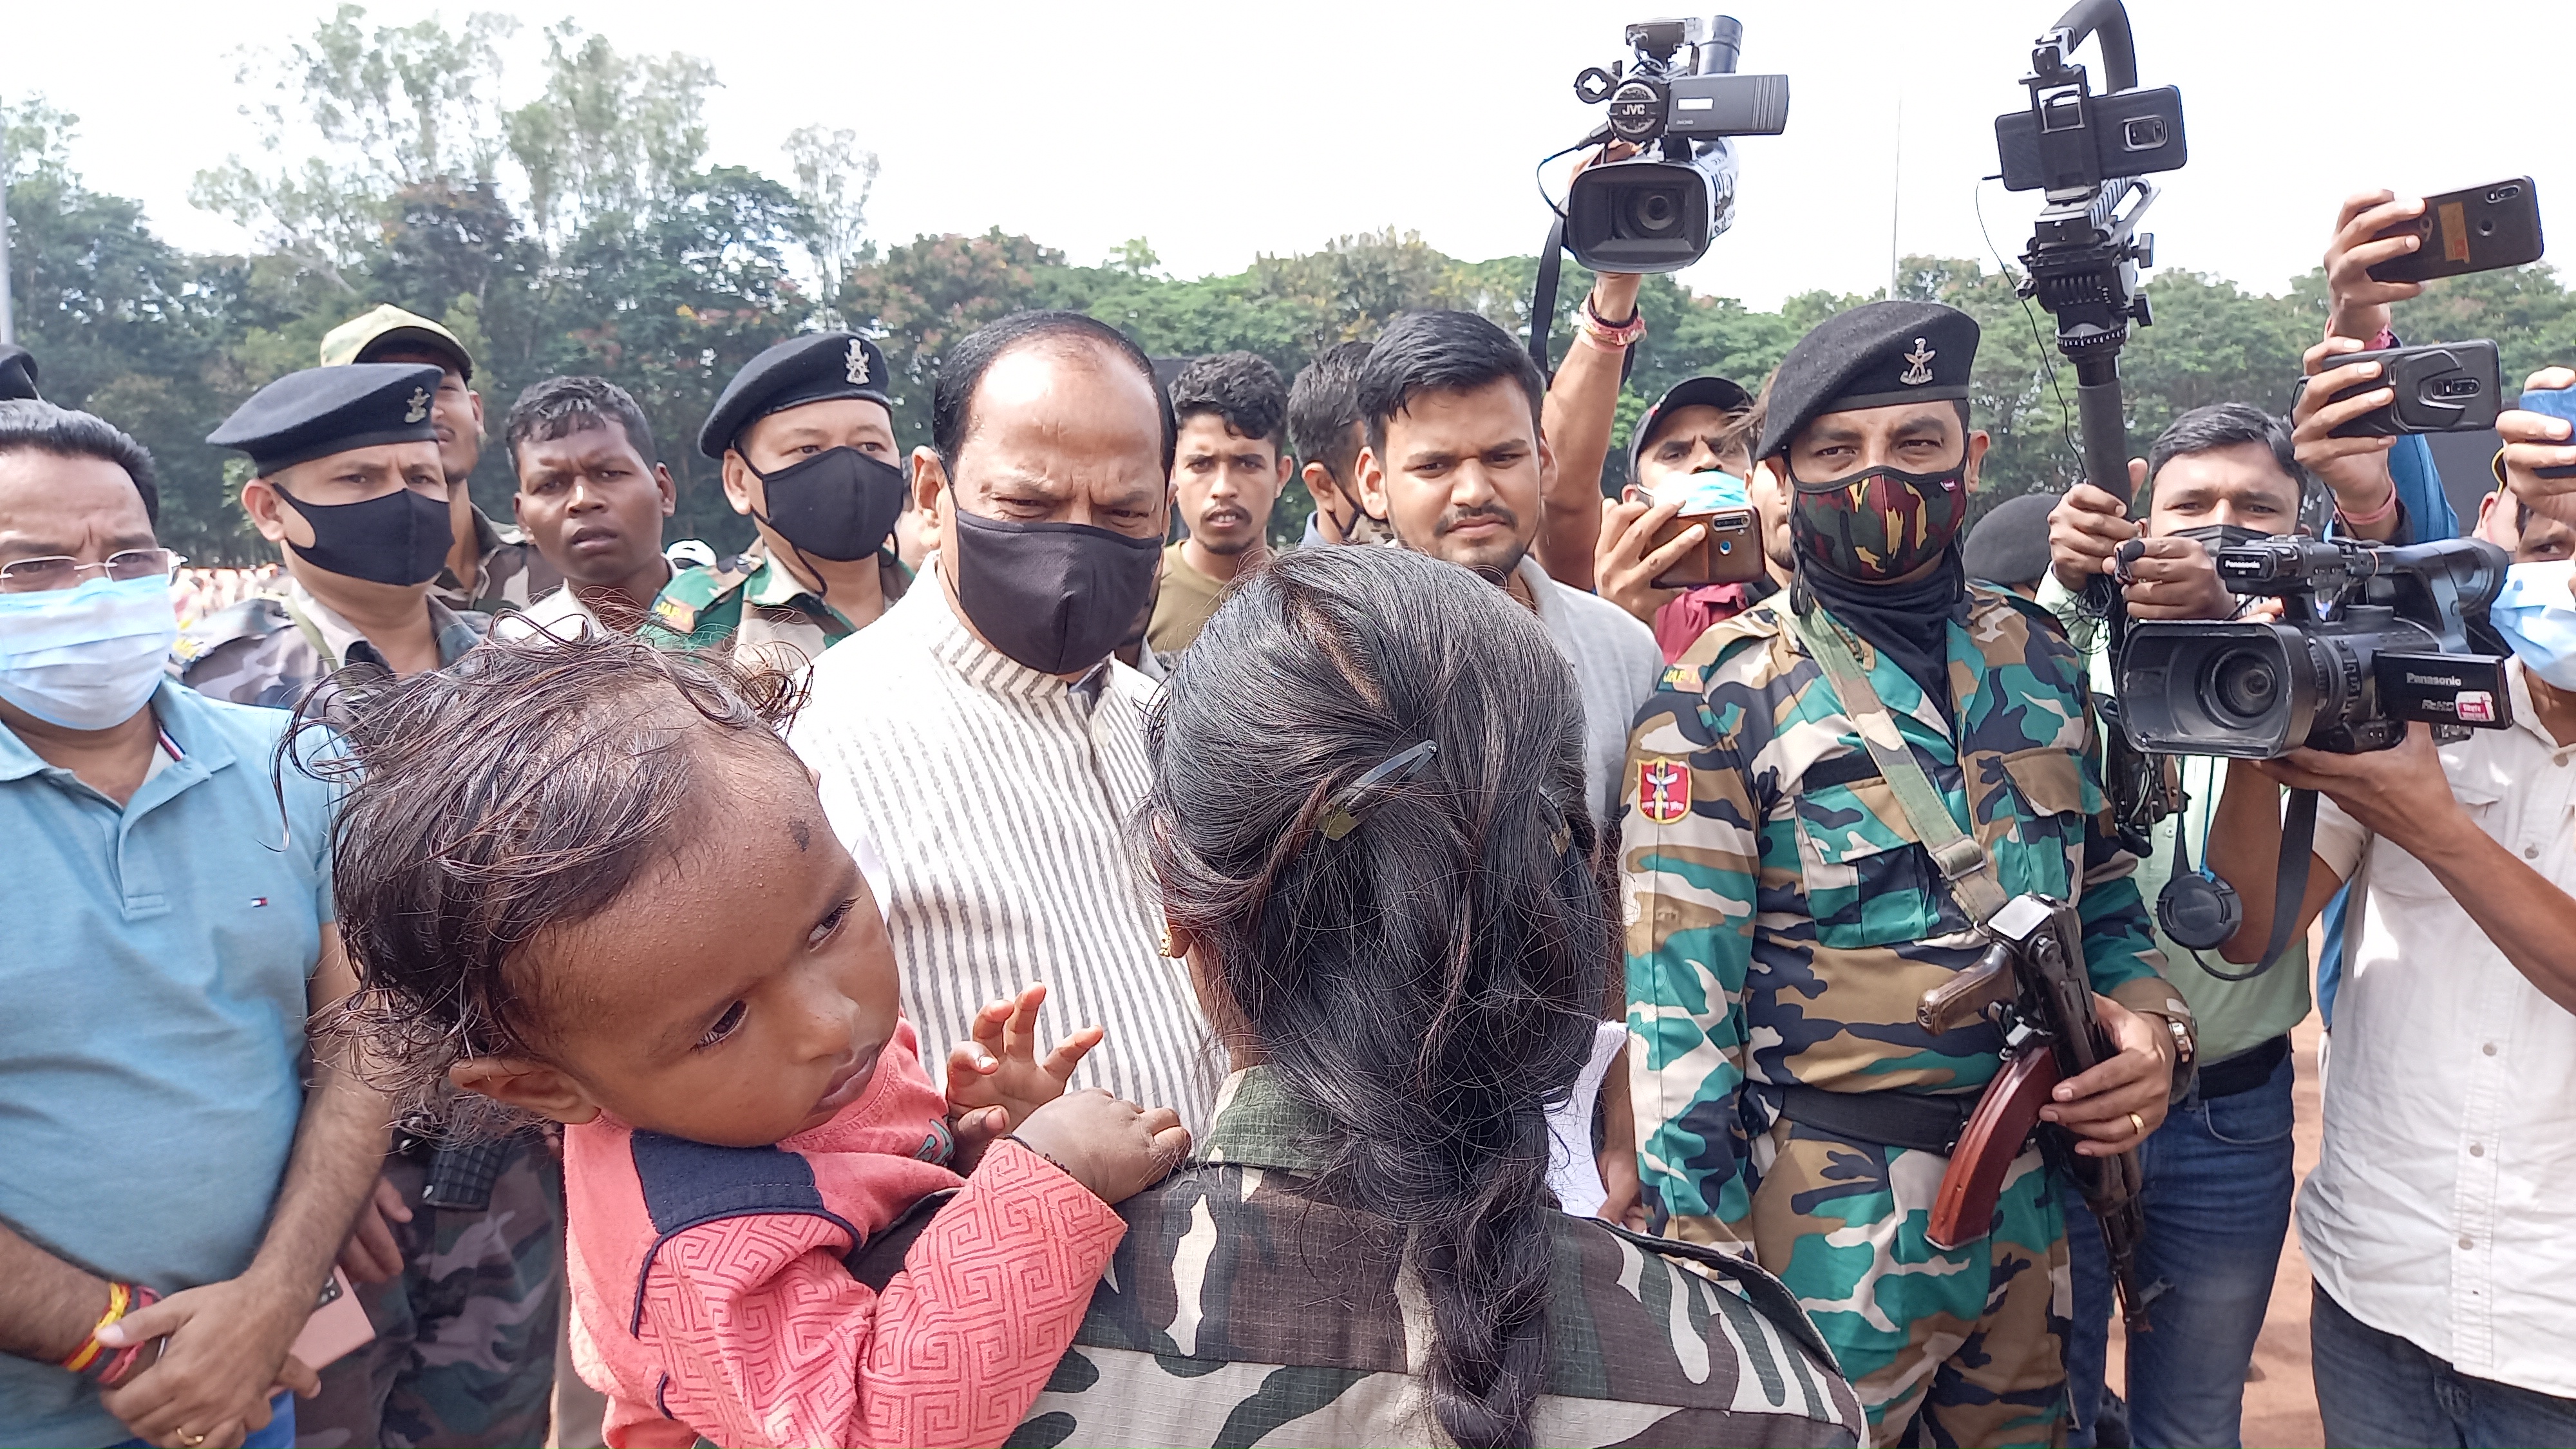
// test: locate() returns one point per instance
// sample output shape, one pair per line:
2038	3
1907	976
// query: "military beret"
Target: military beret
1876	355
1720	393
2010	544
18	374
800	370
389	328
325	410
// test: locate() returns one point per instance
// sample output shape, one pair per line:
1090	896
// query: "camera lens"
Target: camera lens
2242	686
1652	211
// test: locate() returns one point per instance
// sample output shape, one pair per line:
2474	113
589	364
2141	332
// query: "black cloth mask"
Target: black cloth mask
2214	536
839	505
1910	622
1057	597
400	539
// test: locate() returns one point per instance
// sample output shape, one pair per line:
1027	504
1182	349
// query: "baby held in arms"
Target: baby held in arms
585	882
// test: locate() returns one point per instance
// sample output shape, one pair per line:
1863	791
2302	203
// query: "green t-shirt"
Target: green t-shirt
2233	1016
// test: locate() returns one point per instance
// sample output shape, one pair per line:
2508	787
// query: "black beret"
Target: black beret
1876	355
2010	544
18	374
797	371
325	410
1720	393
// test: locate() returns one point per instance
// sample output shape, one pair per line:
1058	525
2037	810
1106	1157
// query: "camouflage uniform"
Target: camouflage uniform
268	650
749	604
466	1334
1242	1308
509	573
1783	921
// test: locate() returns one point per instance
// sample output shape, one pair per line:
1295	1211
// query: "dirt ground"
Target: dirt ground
2280	1398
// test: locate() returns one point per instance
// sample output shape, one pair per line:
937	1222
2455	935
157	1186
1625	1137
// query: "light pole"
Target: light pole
8	319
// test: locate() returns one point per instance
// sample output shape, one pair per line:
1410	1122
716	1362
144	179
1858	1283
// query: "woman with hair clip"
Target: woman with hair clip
1368	823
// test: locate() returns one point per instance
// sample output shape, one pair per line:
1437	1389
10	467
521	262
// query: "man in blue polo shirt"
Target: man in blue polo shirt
169	929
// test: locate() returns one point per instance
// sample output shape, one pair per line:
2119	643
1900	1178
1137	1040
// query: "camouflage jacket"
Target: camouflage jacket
269	651
509	573
1241	1308
748	604
1783	918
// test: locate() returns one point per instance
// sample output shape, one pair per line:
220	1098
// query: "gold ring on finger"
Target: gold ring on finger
191	1440
2137	1123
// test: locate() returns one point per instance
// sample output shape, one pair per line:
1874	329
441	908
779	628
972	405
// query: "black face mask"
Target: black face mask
2214	536
838	505
400	539
1057	597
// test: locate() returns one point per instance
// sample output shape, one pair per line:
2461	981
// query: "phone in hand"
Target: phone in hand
337	1328
2441	387
1729	553
2556	402
2480	229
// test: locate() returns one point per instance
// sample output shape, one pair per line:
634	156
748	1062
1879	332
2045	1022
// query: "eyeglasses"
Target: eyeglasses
60	571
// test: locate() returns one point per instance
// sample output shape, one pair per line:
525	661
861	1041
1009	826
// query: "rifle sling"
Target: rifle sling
1961	860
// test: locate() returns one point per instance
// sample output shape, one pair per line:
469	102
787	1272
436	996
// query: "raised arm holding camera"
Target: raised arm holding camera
2437	1222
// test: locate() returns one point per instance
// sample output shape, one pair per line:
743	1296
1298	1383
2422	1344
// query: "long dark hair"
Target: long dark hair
1427	982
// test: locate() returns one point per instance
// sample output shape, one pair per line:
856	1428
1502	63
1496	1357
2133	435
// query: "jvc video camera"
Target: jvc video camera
1678	101
2370	637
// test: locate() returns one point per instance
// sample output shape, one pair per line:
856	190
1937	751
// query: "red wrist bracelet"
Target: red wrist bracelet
2374	516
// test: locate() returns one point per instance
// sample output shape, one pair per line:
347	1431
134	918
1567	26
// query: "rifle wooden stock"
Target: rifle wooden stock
1965	1210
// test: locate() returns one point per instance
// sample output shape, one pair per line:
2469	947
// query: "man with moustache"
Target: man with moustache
490	569
805	433
592	497
458	1253
1226	474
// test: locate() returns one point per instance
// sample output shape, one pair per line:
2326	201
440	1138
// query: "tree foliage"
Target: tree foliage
589	229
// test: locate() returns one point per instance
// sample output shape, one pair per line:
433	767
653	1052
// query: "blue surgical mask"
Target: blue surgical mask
2537	616
86	658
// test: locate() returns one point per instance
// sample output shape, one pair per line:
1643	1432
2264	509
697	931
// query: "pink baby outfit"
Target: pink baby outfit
766	1295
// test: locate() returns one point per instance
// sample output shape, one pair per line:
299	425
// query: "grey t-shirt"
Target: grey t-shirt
1616	665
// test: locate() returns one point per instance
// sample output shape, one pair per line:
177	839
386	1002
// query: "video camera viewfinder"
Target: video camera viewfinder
2370	638
1679	100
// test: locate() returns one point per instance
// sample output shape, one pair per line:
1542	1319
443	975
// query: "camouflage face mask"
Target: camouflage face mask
1877	524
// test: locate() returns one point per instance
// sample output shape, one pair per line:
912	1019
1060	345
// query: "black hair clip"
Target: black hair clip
1342	815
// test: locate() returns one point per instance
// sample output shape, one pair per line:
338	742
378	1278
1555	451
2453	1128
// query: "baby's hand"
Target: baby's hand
1109	1145
995	1081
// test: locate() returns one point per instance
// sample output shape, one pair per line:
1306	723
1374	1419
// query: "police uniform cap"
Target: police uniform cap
1876	355
800	370
2010	544
325	410
389	328
1723	394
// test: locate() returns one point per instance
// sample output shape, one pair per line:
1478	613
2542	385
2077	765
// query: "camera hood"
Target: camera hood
2246	690
1650	215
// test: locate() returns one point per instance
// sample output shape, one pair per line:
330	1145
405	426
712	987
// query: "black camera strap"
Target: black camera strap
2289	884
1551	265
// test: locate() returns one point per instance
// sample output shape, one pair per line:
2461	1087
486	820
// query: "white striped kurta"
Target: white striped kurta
998	798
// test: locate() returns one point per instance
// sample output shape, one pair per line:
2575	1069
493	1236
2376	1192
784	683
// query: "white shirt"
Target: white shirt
2443	1209
999	798
1616	666
560	614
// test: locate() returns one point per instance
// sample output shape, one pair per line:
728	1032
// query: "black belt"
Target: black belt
2244	1071
1889	1119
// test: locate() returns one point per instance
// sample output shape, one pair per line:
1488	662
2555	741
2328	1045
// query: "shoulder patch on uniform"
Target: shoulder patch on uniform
692	592
1663	790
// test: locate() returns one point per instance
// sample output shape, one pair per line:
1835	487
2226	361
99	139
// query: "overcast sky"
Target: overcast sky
1222	131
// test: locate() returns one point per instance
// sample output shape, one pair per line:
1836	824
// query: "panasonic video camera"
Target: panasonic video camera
2370	637
1679	101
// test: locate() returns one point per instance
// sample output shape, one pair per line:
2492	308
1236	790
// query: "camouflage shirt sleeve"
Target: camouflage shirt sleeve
1691	861
2120	950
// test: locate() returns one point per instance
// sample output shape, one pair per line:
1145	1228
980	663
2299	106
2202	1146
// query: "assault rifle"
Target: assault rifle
2031	985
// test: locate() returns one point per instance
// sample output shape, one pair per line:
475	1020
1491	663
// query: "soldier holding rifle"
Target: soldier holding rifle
1832	796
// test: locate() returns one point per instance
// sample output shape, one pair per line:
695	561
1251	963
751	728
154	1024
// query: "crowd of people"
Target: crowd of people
1013	957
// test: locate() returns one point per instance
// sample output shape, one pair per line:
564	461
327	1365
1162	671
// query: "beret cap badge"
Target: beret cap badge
1918	369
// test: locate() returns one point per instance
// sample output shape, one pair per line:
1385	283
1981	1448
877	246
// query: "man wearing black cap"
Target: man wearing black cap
1790	913
491	568
458	1255
2009	546
1703	425
806	435
349	484
18	374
